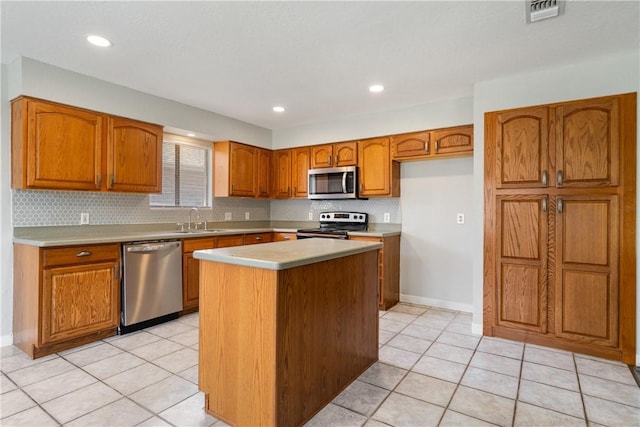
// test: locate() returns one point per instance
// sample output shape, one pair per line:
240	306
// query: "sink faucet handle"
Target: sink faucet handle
180	226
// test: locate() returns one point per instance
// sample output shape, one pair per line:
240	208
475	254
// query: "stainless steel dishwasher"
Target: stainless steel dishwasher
151	284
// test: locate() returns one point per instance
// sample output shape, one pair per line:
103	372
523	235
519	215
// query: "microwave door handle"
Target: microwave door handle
344	182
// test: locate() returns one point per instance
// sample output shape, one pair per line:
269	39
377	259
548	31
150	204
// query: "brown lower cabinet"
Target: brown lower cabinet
388	269
64	297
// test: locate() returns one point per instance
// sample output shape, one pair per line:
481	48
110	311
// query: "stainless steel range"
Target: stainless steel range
336	225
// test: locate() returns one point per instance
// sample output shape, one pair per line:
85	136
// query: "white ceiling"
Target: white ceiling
317	59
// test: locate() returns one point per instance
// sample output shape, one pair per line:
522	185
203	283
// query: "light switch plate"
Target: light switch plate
227	216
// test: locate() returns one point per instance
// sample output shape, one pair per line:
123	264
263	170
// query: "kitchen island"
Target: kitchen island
285	327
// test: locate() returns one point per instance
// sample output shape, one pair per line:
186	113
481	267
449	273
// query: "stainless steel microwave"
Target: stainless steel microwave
333	183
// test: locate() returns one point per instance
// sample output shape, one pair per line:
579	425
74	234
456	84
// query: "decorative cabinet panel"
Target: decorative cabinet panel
281	174
300	161
560	226
263	171
191	271
56	146
334	155
379	176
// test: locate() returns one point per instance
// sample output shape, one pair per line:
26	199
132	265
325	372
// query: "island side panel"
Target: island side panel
237	342
327	332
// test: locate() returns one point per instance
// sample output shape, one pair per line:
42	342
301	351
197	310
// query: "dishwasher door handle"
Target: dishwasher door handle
153	247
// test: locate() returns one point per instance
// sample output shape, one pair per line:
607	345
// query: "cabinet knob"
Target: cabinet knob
560	205
545	178
329	159
560	177
99	180
435	146
426	146
83	253
544	204
112	181
258	238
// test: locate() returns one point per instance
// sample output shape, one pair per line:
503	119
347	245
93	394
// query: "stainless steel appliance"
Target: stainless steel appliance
333	183
336	225
151	284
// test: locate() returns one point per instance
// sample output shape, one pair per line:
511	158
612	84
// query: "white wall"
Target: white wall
599	77
436	262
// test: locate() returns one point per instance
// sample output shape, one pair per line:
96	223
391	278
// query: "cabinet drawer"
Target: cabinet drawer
283	237
250	239
228	241
190	245
80	254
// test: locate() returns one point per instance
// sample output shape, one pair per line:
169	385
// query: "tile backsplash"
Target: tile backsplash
33	208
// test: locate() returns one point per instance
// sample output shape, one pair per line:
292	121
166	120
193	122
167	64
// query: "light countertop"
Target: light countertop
284	255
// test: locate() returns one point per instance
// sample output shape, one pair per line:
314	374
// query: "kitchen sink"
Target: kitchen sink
195	231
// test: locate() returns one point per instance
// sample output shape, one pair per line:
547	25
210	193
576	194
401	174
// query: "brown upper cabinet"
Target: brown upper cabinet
281	174
234	169
60	147
300	160
448	142
334	155
379	175
263	172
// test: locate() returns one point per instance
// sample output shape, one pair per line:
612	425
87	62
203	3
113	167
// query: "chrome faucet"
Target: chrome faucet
198	217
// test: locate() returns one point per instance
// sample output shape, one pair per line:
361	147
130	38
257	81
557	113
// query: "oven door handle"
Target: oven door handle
344	182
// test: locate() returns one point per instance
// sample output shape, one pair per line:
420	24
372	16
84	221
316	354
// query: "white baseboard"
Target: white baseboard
430	302
6	340
476	328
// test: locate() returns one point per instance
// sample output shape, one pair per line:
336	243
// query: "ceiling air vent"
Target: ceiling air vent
538	10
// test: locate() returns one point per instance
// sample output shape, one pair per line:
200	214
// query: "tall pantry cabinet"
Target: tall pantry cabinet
560	225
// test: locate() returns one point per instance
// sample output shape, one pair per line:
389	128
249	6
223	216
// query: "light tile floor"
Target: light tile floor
432	371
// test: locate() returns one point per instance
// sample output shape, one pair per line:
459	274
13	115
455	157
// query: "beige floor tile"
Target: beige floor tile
426	388
189	412
33	374
482	405
59	385
166	330
450	353
436	313
156	349
84	346
8	351
134	340
178	361
164	394
34	417
462	317
21	360
334	415
400	410
439	368
14	402
121	413
106	368
192	319
391	325
383	375
384	336
81	402
432	322
361	397
458	340
495	363
460	328
456	419
549	375
145	375
188	338
190	374
154	422
374	423
610	413
6	384
562	360
409	343
92	354
554	398
409	309
610	390
423	332
530	415
501	347
397	316
609	371
492	382
397	357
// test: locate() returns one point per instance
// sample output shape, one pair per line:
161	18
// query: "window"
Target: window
186	176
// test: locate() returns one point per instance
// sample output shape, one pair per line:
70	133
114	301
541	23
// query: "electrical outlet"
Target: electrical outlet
227	216
84	218
310	216
387	217
460	218
247	216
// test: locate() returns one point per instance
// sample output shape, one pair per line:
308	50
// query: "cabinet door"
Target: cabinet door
134	156
409	145
587	143
587	288
299	171
345	154
521	267
63	147
281	177
78	300
375	167
522	148
191	270
453	140
241	170
263	162
322	156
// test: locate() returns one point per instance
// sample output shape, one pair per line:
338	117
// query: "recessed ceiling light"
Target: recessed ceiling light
376	88
98	41
191	134
278	109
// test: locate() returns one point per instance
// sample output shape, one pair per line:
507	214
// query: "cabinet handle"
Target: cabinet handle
426	146
258	238
435	146
83	253
111	181
560	205
545	178
329	159
99	180
286	237
544	204
336	161
560	177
